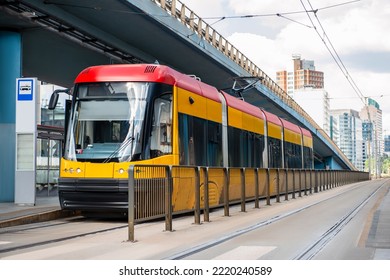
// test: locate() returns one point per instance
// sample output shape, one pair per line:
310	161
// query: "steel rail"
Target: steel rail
55	240
311	251
230	236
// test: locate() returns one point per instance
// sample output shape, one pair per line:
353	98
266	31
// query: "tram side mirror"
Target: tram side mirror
54	97
53	101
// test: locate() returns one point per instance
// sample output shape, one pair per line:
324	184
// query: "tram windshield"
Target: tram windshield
119	121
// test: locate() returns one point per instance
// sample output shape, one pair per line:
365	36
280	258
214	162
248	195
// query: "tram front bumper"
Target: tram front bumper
93	194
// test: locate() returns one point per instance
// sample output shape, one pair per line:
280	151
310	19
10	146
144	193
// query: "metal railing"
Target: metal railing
164	190
182	13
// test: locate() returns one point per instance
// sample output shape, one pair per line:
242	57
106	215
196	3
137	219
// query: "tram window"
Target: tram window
275	154
246	149
214	145
161	126
251	149
292	155
299	156
307	157
235	147
258	150
199	139
192	138
116	131
184	140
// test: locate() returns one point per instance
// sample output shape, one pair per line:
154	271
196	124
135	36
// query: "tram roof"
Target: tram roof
243	106
291	126
146	73
272	118
305	132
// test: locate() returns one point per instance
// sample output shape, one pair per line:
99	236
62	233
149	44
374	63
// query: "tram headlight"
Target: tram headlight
121	171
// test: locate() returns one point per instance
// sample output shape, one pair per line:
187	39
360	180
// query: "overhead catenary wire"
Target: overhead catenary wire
283	15
331	49
339	63
218	18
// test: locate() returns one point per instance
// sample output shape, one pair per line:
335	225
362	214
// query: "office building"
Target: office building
350	138
315	102
371	115
302	74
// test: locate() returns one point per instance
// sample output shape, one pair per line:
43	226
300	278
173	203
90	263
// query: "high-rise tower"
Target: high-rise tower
302	74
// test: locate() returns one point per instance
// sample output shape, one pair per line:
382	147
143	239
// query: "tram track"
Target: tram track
330	234
312	250
53	240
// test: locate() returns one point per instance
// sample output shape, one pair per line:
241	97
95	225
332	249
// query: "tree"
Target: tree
386	166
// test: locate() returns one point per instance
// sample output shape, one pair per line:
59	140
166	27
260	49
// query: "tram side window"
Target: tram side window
235	147
161	140
307	157
247	149
200	141
258	150
251	149
192	138
275	153
184	140
292	155
214	145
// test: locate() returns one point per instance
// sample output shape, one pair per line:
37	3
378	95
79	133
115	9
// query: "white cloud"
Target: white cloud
258	49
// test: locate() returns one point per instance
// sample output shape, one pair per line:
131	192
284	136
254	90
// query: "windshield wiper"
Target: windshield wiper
123	146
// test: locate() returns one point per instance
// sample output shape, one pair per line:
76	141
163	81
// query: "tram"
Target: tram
151	114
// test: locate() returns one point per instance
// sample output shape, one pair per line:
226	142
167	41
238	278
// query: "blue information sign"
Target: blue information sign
25	89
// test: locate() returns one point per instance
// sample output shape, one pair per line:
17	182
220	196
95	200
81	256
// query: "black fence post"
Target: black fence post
300	182
206	212
286	194
305	179
256	170
311	181
277	185
226	191
168	198
243	202
293	194
268	187
197	195
130	214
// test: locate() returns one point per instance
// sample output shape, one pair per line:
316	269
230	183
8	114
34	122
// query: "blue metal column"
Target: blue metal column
10	69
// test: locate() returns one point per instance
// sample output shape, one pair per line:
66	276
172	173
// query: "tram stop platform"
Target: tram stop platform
47	207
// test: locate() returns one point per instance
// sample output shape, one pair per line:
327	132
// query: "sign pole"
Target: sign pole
27	100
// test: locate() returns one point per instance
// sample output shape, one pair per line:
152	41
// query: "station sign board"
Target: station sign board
27	108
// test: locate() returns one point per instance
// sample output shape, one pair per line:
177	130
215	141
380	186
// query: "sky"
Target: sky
350	42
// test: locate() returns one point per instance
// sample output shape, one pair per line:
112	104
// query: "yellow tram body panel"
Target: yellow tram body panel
235	117
274	131
307	141
198	106
115	170
191	104
292	137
